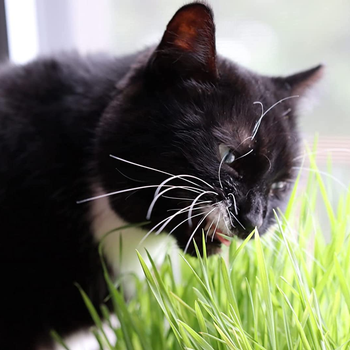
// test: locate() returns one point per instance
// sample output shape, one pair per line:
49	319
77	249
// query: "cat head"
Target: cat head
207	144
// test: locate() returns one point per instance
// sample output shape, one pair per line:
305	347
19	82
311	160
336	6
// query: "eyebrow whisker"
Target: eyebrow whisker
257	124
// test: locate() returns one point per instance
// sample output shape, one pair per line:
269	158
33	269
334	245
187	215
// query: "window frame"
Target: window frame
4	47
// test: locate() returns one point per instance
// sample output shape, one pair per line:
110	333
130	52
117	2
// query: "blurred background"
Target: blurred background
273	37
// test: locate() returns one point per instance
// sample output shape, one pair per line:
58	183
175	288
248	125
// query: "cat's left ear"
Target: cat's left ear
187	49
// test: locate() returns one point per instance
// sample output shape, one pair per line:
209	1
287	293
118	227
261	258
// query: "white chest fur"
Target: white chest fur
104	219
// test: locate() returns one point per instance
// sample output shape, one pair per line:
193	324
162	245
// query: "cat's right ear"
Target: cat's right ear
187	49
304	86
300	83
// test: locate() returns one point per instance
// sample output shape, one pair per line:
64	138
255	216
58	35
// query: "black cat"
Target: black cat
220	140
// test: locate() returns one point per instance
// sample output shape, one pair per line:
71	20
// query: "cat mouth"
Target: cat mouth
217	234
220	237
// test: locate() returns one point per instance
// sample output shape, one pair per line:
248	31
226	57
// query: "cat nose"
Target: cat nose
253	216
251	220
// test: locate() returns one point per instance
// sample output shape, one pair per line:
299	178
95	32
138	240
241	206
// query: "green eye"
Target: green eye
226	154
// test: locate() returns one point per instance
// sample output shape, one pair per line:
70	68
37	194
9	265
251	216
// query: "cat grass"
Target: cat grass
287	290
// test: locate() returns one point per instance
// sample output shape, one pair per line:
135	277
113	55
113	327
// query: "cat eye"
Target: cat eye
226	154
279	186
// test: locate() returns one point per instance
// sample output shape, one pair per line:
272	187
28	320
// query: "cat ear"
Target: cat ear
302	82
304	86
187	49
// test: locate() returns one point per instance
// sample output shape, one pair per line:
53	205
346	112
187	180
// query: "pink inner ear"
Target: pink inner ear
188	24
191	32
186	35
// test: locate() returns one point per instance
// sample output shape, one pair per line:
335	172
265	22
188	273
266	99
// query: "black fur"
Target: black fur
167	108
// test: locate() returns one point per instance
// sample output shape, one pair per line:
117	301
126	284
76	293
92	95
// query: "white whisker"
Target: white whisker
229	217
194	202
150	208
286	112
237	221
228	230
247	138
193	233
193	216
165	221
118	192
208	230
245	154
160	171
268	159
216	227
257	124
182	176
171	217
179	198
140	165
199	203
234	202
128	177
